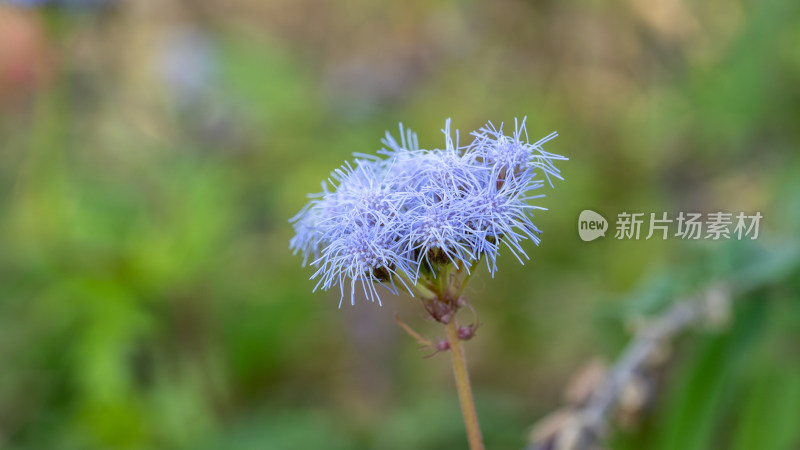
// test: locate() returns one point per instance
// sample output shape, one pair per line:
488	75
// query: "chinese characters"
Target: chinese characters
713	226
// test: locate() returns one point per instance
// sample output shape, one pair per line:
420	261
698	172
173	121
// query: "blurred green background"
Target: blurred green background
151	152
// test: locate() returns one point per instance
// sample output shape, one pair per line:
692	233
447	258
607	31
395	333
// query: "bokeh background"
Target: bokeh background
152	152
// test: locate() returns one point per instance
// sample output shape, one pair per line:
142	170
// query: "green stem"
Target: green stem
463	285
444	281
463	387
419	287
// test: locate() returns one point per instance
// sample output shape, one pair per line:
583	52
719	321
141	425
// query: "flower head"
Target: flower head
397	218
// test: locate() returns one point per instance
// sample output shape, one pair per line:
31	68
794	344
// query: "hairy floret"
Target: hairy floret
513	154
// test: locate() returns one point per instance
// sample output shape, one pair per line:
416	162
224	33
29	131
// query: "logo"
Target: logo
636	226
591	225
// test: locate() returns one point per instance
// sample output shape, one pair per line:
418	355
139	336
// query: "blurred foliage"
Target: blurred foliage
151	152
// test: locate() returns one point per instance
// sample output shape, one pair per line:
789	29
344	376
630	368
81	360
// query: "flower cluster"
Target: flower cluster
399	216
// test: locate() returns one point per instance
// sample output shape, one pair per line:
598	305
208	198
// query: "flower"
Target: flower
398	217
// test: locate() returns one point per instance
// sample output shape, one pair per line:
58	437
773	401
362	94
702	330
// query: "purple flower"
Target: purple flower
399	217
513	155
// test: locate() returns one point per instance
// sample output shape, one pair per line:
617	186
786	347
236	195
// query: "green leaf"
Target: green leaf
770	414
698	399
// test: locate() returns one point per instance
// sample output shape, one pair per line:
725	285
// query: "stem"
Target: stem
421	340
463	386
419	287
463	285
